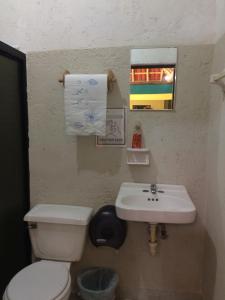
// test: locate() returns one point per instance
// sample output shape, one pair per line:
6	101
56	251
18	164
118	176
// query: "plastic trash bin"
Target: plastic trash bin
97	284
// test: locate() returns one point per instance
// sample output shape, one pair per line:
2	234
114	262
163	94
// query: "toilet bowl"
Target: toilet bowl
57	235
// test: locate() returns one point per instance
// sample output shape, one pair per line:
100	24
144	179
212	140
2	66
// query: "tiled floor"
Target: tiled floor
153	295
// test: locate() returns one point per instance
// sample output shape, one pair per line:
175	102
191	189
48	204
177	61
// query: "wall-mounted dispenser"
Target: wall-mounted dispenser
106	229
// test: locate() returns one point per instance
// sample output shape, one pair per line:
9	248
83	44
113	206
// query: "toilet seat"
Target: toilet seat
44	280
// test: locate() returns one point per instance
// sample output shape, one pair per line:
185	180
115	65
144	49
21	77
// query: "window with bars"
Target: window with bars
150	75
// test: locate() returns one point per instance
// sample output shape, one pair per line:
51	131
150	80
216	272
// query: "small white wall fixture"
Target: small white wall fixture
219	79
136	156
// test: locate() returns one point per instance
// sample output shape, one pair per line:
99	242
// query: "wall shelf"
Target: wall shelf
138	156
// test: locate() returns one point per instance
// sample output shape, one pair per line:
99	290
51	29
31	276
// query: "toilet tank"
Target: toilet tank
58	232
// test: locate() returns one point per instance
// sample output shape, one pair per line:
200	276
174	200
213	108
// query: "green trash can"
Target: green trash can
97	284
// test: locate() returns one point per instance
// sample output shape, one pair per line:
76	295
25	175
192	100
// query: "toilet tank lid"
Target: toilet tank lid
59	214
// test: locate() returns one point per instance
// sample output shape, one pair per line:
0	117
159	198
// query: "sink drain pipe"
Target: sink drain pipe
153	238
156	231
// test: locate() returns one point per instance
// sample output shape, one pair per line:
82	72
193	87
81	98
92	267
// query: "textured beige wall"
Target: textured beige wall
40	25
215	221
72	170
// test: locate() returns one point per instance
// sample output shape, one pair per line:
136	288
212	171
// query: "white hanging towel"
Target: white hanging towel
85	99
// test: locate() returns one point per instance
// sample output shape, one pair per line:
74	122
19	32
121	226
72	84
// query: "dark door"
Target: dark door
14	170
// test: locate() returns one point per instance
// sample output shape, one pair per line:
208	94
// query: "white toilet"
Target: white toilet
57	235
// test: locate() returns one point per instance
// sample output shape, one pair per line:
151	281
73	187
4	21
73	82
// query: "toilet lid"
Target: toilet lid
44	280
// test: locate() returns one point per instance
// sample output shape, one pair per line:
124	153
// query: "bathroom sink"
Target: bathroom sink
170	204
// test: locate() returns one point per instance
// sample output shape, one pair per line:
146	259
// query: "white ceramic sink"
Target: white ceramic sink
171	204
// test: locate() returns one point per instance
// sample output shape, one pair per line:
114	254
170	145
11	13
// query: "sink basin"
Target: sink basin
171	204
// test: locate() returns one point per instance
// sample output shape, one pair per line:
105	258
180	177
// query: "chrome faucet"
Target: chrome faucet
153	188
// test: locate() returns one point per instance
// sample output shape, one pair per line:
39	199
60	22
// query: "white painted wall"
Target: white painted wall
69	170
214	273
220	18
35	25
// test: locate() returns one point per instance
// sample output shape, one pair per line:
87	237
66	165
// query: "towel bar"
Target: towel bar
217	79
